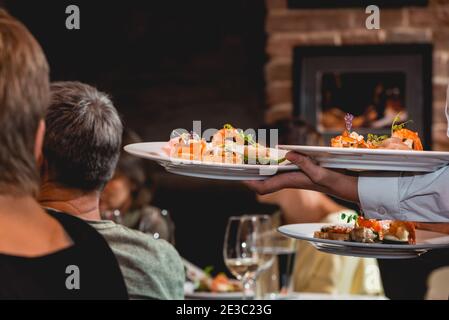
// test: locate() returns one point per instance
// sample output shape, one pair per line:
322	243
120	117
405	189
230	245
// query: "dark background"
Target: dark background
165	64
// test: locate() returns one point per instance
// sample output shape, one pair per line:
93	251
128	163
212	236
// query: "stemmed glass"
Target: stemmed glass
245	249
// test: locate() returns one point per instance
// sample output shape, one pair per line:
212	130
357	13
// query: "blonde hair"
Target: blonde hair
24	97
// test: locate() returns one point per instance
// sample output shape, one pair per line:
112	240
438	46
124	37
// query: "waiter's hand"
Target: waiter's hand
311	177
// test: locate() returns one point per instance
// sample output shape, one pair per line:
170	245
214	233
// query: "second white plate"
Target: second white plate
425	241
374	159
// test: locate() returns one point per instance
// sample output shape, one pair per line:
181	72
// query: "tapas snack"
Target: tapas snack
400	138
228	145
370	231
218	284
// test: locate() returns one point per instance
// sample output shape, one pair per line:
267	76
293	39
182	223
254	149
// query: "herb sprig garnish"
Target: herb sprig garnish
208	270
349	217
246	137
375	139
395	126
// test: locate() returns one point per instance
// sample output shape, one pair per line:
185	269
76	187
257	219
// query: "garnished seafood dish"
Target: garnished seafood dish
370	231
400	138
219	283
228	145
205	282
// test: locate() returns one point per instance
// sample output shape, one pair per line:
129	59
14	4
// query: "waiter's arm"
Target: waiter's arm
416	197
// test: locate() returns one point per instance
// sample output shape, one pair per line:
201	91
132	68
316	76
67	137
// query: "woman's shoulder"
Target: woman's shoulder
149	249
104	276
78	229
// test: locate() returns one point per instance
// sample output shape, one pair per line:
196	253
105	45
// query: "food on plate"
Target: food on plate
370	231
229	134
228	145
400	138
349	140
409	138
187	146
400	231
202	281
221	283
334	233
218	284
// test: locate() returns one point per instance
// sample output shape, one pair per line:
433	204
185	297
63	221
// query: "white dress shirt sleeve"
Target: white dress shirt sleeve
406	196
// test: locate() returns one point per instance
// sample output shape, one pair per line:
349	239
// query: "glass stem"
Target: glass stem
249	288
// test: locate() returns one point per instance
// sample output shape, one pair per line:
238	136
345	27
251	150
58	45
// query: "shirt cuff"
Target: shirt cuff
379	196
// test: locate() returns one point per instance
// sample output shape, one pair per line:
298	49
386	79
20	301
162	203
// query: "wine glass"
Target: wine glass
245	251
276	283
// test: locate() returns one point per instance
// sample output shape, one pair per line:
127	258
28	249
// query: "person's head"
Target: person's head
297	131
126	190
24	97
83	137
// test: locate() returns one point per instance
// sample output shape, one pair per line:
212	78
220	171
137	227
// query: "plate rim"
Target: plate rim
366	254
405	247
164	158
386	152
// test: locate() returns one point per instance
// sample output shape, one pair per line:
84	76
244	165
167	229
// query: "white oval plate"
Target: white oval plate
425	241
221	171
374	159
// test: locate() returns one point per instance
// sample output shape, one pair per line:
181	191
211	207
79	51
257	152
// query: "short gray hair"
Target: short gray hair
83	136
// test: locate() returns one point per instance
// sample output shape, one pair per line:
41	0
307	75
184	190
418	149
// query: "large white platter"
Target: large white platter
374	159
425	241
222	171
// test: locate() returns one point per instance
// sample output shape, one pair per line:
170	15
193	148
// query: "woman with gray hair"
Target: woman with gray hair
126	197
81	149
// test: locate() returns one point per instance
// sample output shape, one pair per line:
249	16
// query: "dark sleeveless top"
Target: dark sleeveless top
86	270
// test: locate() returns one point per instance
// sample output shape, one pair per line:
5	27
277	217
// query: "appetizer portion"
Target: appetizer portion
400	231
219	283
228	145
336	232
400	138
370	231
187	146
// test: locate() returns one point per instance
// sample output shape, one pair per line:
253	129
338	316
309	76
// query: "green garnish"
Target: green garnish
208	270
375	139
349	218
399	126
249	140
246	137
281	160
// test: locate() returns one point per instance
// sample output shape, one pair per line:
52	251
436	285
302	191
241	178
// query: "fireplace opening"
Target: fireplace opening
374	98
374	83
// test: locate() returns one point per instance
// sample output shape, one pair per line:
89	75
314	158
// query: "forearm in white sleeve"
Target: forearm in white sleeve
406	196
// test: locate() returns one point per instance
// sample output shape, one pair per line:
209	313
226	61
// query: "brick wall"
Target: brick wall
289	28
